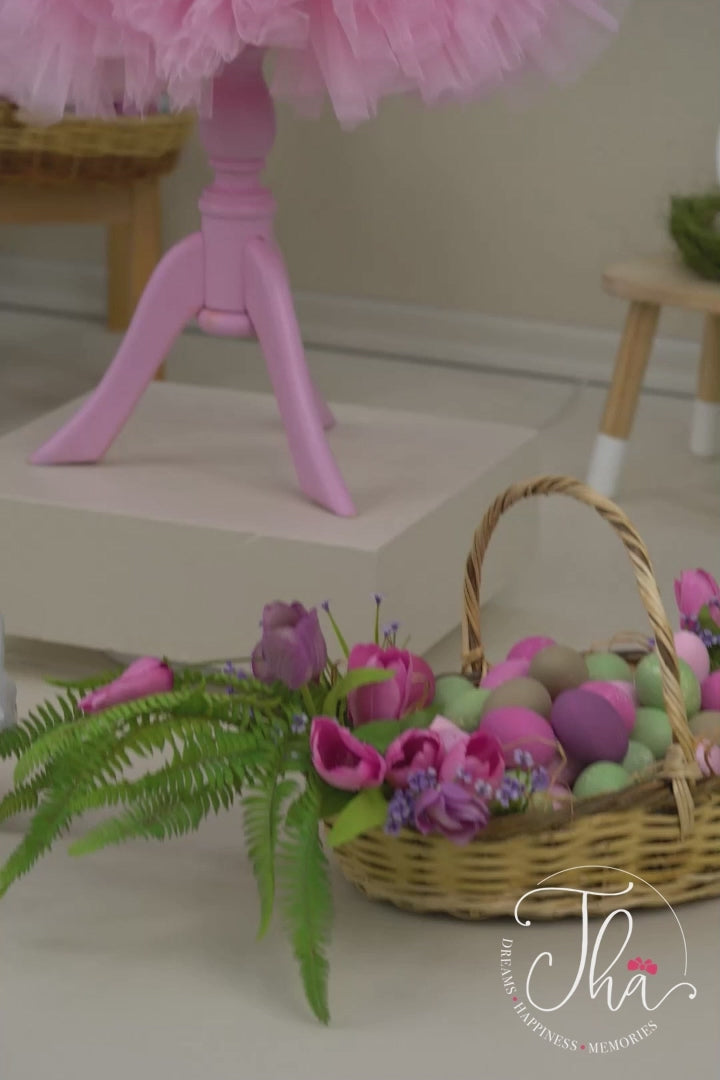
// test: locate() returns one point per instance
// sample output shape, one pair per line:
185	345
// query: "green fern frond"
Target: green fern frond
307	899
158	821
16	740
84	686
23	798
261	816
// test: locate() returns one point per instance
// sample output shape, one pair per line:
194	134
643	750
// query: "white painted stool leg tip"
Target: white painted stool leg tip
606	465
705	431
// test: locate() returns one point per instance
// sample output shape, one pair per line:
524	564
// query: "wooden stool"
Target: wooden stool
131	212
650	284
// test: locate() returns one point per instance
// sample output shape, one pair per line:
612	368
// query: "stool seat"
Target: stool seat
649	285
663	280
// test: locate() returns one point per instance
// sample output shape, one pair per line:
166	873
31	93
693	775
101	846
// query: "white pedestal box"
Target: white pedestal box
193	521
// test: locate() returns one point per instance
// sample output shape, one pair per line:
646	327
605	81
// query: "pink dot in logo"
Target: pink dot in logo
514	999
583	1046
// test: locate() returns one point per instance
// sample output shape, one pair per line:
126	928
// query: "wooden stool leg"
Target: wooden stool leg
134	250
622	400
705	433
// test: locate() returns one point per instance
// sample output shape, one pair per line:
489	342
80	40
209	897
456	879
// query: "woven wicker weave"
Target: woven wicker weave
115	151
665	830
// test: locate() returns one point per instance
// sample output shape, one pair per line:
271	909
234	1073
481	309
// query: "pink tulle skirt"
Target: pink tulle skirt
91	53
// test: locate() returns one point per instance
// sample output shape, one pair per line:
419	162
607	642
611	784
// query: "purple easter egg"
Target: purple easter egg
711	692
620	695
526	649
691	649
588	727
502	673
516	728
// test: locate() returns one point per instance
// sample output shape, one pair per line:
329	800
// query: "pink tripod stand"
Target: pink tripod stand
232	278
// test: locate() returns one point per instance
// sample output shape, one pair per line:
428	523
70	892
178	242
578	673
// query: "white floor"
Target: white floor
143	961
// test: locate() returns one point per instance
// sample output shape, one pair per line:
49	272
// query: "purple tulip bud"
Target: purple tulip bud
292	649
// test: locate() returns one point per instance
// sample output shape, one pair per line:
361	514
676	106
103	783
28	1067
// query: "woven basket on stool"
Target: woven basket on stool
103	151
665	830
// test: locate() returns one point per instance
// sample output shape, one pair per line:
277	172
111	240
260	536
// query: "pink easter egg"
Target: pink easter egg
711	692
588	727
620	695
526	649
516	728
690	648
504	672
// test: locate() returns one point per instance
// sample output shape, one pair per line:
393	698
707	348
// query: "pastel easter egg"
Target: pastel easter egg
559	668
639	758
502	673
601	778
620	695
608	667
690	648
588	727
710	694
652	728
448	688
466	711
516	728
648	683
528	647
528	693
706	725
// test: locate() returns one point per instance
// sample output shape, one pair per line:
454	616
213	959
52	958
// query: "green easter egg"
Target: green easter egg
601	778
639	757
449	688
608	667
467	710
648	683
652	729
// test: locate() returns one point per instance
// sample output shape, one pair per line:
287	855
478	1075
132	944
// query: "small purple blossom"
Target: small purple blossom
524	759
539	779
378	598
299	724
422	781
484	789
401	811
326	606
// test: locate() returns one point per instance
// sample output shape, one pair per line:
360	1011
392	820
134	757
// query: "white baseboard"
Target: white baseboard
388	329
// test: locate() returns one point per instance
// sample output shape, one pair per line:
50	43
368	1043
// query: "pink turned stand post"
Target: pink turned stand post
231	277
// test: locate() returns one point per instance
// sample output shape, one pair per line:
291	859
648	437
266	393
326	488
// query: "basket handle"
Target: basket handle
473	653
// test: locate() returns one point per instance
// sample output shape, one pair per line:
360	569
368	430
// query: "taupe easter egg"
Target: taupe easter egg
559	668
527	693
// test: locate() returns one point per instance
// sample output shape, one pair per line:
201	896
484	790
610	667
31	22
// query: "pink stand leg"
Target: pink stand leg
173	298
270	307
232	278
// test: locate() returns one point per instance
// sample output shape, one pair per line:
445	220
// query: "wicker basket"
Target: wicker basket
665	830
99	151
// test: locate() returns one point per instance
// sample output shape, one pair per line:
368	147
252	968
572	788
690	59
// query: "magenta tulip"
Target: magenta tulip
479	761
143	678
411	687
452	811
412	752
292	649
693	590
341	759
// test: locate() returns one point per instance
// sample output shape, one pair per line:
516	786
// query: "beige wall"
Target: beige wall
489	208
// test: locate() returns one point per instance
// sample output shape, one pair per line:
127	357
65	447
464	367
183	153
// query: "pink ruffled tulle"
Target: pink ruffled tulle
92	53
